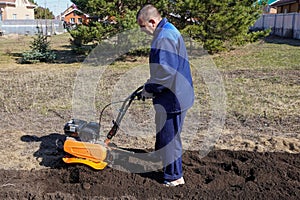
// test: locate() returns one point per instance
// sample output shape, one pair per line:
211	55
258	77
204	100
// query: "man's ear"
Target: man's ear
152	21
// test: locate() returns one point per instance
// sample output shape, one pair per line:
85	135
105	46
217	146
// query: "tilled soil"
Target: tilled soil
221	174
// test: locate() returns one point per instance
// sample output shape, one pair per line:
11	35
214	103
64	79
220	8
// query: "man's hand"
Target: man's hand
146	95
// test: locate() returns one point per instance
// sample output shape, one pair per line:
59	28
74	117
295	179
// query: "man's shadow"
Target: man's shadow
50	152
141	162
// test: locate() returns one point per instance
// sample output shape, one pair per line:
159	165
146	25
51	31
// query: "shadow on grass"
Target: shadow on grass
282	40
62	57
51	152
68	57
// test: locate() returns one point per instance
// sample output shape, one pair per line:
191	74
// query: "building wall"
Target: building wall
288	8
17	11
273	10
2	12
269	10
73	18
295	7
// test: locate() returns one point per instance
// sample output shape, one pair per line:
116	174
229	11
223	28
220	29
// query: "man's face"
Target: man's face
146	26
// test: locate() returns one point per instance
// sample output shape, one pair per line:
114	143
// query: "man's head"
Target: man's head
148	18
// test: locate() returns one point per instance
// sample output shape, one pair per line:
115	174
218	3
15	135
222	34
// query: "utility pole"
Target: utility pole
45	12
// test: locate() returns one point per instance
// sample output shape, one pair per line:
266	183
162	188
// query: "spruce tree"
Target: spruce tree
108	18
219	25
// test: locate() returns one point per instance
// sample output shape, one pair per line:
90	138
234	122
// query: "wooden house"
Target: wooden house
74	16
268	9
287	6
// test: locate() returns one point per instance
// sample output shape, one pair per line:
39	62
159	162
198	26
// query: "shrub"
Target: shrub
40	51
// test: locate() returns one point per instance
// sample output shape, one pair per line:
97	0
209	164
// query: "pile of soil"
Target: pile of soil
222	174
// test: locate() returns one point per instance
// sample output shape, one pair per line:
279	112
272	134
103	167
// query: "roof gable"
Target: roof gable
71	9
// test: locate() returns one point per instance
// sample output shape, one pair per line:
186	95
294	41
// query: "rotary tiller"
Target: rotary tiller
82	145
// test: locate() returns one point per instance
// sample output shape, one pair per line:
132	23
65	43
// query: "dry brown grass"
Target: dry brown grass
261	82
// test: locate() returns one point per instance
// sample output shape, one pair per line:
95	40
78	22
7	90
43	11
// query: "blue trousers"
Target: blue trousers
168	143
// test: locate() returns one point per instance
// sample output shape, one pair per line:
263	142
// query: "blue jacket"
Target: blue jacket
170	76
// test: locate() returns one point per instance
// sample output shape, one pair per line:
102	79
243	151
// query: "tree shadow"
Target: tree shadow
68	57
62	57
282	40
50	152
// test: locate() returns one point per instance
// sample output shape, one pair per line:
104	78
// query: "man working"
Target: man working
170	86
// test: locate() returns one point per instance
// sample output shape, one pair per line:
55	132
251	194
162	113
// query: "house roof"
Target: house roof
270	2
71	9
5	1
13	2
283	2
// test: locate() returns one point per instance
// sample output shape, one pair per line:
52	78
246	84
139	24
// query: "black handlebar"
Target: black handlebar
137	93
127	102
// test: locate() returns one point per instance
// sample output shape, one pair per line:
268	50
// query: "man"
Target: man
170	86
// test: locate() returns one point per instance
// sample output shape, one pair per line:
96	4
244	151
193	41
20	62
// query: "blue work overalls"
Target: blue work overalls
171	84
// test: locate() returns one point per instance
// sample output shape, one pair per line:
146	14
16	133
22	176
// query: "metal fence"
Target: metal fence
30	27
284	25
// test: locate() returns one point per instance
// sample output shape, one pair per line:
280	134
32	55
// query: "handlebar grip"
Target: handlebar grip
137	93
113	131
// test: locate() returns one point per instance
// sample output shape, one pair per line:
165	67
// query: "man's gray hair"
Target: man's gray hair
147	12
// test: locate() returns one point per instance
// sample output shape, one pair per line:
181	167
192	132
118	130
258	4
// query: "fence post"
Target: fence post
275	22
263	21
1	31
293	25
283	25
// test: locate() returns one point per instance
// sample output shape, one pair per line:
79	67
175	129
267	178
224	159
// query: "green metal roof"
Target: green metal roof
270	2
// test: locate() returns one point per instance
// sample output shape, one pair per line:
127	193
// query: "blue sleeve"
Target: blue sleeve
163	65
